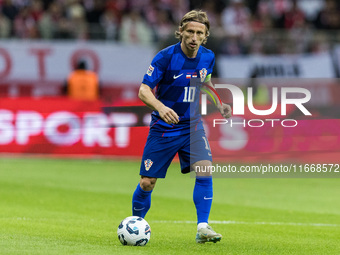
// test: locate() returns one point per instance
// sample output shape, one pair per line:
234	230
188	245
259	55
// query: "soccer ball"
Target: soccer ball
134	230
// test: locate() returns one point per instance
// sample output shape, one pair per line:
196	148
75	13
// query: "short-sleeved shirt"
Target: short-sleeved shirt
178	79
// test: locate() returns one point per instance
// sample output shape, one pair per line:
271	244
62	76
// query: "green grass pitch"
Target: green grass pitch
53	206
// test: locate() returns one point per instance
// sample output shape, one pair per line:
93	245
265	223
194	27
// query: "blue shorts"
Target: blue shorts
160	151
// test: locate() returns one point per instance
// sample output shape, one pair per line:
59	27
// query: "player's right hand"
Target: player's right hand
168	115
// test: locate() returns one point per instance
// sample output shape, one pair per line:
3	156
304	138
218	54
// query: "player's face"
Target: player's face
193	36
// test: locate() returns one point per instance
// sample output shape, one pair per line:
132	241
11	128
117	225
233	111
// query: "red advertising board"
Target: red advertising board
67	127
250	139
59	126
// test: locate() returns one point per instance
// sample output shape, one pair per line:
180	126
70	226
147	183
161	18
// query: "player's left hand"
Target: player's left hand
225	110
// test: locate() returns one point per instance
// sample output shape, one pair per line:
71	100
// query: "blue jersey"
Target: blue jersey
178	80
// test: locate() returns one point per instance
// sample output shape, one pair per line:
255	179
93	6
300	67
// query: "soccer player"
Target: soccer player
176	125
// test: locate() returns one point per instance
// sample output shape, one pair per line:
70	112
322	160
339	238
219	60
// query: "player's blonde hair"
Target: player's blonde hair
197	16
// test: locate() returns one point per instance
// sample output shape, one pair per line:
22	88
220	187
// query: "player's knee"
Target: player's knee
147	183
202	168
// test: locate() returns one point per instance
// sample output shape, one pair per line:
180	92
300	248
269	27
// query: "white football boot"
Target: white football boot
207	234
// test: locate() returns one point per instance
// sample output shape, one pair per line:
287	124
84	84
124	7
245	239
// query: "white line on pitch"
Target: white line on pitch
230	222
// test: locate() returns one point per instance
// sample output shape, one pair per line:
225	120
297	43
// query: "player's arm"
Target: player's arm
213	97
167	114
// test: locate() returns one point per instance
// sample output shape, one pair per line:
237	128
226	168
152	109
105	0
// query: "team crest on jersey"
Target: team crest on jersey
148	163
150	70
203	74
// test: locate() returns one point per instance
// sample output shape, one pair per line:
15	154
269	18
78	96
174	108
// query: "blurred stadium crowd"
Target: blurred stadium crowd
238	27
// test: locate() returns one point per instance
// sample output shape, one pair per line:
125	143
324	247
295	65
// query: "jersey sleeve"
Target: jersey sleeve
210	69
156	70
211	66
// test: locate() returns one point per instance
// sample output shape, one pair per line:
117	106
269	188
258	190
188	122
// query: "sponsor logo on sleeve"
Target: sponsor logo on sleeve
150	70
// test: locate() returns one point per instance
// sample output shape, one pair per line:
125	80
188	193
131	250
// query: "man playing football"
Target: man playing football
176	125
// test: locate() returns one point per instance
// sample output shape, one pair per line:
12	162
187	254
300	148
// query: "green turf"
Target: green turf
51	206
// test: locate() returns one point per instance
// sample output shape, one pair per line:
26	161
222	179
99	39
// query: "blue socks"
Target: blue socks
141	202
203	194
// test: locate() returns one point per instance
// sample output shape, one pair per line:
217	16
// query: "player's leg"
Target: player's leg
157	156
141	199
203	191
203	196
200	161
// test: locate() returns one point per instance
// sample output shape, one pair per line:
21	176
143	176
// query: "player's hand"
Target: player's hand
225	110
168	115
